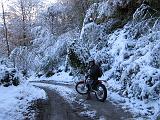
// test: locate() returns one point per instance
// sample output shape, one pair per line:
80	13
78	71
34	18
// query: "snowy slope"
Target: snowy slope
15	100
131	58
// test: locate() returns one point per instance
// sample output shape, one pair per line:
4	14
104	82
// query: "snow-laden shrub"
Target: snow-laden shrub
141	13
156	26
133	56
145	20
141	28
90	34
9	76
55	55
19	57
128	73
117	73
145	85
45	54
77	57
155	62
102	57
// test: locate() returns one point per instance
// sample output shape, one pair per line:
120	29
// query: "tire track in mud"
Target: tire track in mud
57	108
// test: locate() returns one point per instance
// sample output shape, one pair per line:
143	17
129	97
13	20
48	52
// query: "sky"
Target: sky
5	3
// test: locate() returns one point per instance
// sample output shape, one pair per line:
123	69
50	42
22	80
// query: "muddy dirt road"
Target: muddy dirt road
57	108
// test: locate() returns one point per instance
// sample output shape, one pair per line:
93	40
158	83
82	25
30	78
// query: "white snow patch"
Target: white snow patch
15	100
61	77
91	114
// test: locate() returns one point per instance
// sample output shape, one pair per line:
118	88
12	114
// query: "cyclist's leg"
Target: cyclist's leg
89	83
94	83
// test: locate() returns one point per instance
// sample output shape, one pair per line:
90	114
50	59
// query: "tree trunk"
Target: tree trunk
6	30
23	20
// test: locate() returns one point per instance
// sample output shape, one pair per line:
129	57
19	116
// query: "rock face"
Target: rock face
112	13
153	3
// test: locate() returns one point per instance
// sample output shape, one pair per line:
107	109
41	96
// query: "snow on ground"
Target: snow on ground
14	101
140	109
64	91
61	77
69	94
92	114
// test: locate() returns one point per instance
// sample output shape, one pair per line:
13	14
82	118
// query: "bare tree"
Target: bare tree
22	17
5	29
23	14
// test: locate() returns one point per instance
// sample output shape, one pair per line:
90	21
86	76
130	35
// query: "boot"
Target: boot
88	97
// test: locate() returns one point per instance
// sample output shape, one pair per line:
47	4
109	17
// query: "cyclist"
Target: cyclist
94	71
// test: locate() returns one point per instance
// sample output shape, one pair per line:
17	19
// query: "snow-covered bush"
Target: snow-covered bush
46	53
77	56
142	13
145	85
9	76
90	34
136	57
155	62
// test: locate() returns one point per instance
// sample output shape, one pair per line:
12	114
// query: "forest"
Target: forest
45	48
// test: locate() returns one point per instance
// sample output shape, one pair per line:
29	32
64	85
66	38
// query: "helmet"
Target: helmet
90	60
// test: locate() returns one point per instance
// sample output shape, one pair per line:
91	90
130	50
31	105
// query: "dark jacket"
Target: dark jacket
94	72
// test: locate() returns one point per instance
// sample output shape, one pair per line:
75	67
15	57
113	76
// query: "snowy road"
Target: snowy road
57	108
65	104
